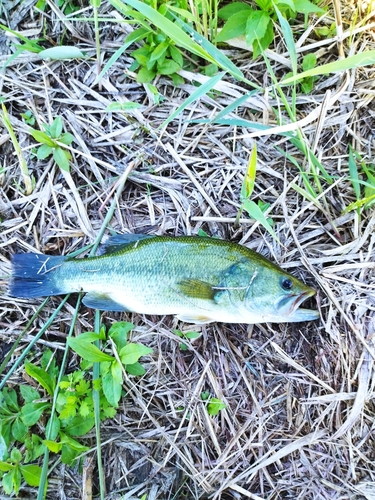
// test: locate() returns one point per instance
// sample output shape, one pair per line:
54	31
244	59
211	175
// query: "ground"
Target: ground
299	416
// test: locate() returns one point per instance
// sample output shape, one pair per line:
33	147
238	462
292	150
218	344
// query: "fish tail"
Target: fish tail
34	275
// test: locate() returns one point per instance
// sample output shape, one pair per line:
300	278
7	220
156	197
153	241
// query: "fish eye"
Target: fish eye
286	284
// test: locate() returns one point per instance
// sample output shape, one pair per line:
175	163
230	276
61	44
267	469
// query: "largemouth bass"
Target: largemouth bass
198	279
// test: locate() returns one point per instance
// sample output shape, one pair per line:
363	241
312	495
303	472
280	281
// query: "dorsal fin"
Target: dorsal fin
118	241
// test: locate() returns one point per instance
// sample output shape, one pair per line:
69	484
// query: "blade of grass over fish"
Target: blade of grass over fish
197	94
168	27
358	60
43	479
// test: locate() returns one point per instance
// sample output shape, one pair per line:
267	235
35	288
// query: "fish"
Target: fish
197	279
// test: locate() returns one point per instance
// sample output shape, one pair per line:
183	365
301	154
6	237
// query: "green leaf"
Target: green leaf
215	406
176	55
5	466
159	52
31	474
79	426
365	58
10	398
3	448
40	376
62	158
62	52
306	7
19	430
122	106
42	137
31	412
7	482
233	8
256	213
56	128
135	369
309	62
234	27
15	455
168	67
66	138
52	445
112	388
249	179
119	333
289	39
28	393
256	26
131	353
260	46
87	350
44	151
145	75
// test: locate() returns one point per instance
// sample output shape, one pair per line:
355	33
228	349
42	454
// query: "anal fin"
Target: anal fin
198	319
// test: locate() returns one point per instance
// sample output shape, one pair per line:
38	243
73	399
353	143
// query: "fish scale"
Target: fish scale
198	279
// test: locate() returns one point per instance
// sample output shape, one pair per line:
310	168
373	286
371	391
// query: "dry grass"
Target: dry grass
299	421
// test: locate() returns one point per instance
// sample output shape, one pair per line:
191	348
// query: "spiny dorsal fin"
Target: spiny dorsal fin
119	241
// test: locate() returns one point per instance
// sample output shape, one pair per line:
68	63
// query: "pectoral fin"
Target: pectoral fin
102	301
197	289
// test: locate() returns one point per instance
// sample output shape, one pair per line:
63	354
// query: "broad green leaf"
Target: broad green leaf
159	51
306	7
145	75
256	26
7	482
131	353
42	137
15	455
44	151
62	52
5	466
19	430
31	474
31	412
62	158
309	62
79	426
3	448
56	127
66	138
235	26
112	389
53	427
28	393
119	333
176	55
261	45
233	8
365	58
168	67
52	445
135	369
87	350
10	398
256	213
40	376
215	406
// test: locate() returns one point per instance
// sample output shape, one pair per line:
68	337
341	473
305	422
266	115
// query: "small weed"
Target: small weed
214	405
50	139
257	24
21	411
363	183
186	335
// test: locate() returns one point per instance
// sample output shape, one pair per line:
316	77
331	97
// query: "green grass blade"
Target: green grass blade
358	60
197	94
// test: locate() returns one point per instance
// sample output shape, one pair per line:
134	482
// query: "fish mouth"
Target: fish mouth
289	307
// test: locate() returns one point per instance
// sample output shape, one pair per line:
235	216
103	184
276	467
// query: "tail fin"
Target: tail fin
33	275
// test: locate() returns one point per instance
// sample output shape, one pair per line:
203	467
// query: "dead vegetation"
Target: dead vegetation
299	421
